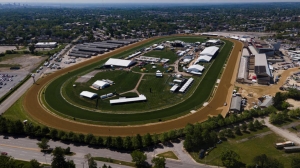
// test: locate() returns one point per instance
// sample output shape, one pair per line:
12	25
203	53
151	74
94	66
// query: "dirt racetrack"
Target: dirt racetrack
32	105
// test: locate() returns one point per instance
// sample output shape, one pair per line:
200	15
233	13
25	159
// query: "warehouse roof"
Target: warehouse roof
253	50
101	83
213	41
211	51
119	62
267	102
88	94
236	102
243	68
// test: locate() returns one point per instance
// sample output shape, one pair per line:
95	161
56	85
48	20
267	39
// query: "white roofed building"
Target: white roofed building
195	68
46	45
210	51
203	58
128	100
213	42
100	84
88	94
119	62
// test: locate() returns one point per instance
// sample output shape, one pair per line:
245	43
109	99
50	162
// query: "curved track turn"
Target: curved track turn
34	108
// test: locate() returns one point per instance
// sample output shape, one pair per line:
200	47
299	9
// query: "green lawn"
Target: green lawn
248	149
124	81
166	53
109	160
53	51
25	164
10	56
196	100
168	154
16	112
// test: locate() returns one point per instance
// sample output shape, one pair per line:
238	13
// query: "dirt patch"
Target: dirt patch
27	62
295	103
87	77
4	48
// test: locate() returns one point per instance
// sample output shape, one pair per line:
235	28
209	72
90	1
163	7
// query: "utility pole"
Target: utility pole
32	75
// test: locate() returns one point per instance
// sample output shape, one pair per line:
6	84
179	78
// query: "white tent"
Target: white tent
195	68
158	73
127	100
204	58
159	47
210	51
119	62
100	84
88	94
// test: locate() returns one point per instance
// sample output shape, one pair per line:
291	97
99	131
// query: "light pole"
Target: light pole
32	75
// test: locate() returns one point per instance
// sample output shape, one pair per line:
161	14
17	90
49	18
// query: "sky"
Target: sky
141	1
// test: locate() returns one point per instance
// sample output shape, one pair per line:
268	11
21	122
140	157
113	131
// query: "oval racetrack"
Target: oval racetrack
39	113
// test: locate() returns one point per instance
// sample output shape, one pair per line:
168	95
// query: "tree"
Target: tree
139	158
260	160
163	137
147	140
100	141
159	162
188	142
237	130
43	144
257	124
137	142
266	162
108	142
251	126
81	137
172	134
68	150
88	138
32	48
230	159
58	160
118	142
127	143
53	133
91	162
244	127
295	162
155	139
34	164
7	162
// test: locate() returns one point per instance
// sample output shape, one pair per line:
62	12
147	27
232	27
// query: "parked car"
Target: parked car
3	153
5	137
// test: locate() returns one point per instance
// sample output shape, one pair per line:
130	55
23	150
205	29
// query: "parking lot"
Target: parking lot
9	80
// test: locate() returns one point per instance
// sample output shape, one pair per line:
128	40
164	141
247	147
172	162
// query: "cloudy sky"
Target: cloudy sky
140	1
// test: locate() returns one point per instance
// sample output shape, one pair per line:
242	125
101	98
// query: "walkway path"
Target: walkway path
136	86
282	132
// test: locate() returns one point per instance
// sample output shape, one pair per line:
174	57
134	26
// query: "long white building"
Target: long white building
210	51
46	45
119	62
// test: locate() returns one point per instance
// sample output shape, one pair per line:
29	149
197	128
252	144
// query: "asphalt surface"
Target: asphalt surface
38	112
27	149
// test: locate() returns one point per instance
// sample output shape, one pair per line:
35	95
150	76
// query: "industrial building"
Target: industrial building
244	66
267	102
46	45
263	47
261	69
73	54
90	49
236	104
119	62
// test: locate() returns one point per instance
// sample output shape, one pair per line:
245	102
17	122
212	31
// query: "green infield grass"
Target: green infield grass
165	53
248	149
54	99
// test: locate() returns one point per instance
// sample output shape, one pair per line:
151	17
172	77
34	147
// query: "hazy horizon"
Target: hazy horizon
145	1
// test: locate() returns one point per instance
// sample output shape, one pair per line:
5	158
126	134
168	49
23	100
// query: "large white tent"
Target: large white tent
128	100
88	94
100	84
195	68
119	62
210	51
203	58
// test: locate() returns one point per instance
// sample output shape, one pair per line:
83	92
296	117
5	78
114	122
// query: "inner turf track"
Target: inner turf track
34	108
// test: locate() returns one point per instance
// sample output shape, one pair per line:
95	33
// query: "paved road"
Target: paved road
26	149
283	132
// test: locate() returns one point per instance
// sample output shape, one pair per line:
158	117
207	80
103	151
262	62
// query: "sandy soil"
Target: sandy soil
293	102
39	113
27	62
4	48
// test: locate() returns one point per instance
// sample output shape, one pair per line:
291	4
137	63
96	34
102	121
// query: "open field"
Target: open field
168	154
57	103
31	101
248	149
148	68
